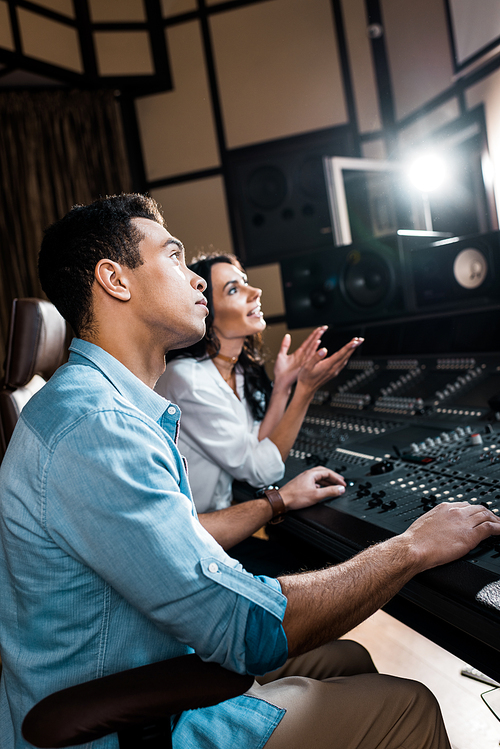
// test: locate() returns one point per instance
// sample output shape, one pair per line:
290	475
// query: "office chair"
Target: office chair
136	704
35	349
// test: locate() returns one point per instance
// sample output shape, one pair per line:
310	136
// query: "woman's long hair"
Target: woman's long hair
257	384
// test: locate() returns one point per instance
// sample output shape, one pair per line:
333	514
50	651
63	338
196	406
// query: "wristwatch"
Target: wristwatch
271	493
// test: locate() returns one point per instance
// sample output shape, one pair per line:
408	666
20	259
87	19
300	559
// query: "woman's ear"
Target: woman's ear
113	279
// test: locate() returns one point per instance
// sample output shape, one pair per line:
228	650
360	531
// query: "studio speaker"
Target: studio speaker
277	194
456	272
345	285
403	275
362	283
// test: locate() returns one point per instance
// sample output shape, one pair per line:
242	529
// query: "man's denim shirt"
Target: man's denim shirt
104	565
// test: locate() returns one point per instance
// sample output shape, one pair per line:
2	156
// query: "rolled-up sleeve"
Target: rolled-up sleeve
213	425
122	512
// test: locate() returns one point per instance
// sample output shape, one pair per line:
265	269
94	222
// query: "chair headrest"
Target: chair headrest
36	341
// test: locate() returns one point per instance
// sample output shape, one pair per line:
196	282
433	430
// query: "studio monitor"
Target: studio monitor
455	273
403	275
358	284
344	285
277	194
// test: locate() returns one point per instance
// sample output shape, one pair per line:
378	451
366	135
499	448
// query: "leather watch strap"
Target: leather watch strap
278	506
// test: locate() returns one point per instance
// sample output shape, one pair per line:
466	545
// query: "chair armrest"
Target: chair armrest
142	695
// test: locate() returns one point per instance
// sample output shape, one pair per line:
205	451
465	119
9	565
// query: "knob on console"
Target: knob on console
386	506
494	402
382	466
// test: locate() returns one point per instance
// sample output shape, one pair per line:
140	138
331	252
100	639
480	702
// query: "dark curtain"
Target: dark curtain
57	148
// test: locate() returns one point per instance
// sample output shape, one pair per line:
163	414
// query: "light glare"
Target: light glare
428	172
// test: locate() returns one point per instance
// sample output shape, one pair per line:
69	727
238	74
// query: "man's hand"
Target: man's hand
317	369
449	531
326	604
312	486
288	366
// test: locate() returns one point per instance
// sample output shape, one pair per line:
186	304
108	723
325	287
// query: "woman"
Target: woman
235	424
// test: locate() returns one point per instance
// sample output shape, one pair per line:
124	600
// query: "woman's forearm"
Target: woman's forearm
275	410
286	430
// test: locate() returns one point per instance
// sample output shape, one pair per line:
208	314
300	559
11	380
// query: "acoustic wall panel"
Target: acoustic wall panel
278	70
50	41
374	149
420	130
102	11
196	213
177	127
176	7
474	34
487	92
419	51
6	38
123	53
361	64
65	7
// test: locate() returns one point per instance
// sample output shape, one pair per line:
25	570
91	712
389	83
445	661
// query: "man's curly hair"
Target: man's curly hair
72	247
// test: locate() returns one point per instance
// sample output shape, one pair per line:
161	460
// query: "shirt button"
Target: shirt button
213	567
171	410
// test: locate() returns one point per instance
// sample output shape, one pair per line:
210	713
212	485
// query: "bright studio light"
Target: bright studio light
428	172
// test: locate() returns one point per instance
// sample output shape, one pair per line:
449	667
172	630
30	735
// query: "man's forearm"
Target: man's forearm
326	604
235	523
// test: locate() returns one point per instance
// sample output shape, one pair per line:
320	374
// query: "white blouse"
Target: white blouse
218	435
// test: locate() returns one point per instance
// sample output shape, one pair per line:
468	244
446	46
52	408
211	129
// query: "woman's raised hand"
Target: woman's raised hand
319	368
288	366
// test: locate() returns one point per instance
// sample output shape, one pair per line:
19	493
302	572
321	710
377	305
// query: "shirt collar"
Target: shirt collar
122	379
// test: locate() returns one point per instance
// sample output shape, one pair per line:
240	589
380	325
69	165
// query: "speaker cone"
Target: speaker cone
267	187
367	279
470	268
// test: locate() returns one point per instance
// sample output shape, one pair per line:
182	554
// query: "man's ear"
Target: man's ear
113	279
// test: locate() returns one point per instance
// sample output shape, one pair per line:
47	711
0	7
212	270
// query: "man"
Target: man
104	564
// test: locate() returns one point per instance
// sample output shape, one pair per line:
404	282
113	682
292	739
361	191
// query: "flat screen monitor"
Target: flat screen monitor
370	198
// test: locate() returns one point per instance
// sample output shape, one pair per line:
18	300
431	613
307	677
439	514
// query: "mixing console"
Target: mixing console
408	434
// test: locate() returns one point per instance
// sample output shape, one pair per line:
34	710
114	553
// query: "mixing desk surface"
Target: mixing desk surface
407	434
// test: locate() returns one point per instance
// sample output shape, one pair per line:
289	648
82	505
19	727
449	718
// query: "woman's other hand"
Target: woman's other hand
319	368
288	366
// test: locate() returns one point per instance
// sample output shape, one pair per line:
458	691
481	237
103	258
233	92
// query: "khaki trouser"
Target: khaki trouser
335	699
